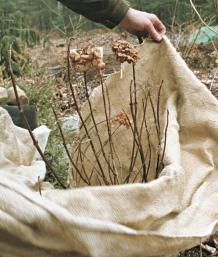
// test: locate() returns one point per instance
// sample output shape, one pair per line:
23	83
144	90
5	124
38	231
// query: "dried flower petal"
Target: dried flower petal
125	52
84	59
122	119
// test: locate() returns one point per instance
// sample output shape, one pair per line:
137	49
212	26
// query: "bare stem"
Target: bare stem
113	152
165	144
108	125
158	106
140	149
155	118
81	118
135	92
66	148
158	133
39	186
134	143
134	116
27	125
96	128
149	145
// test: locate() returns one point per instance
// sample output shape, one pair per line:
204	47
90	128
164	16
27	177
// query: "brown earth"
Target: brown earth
202	59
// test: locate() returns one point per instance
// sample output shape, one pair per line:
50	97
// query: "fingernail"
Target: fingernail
159	38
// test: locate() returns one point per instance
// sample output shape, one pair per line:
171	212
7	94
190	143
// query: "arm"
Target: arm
107	12
114	12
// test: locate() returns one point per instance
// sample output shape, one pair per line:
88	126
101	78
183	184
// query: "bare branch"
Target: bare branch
27	125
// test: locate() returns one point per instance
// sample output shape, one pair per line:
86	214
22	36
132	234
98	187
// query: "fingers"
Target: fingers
156	28
142	23
158	25
155	34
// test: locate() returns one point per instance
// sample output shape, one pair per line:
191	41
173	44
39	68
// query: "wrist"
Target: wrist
126	20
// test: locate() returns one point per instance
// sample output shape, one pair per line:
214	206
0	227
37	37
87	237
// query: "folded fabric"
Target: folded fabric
172	213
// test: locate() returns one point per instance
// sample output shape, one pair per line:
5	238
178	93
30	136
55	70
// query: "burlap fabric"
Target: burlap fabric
164	216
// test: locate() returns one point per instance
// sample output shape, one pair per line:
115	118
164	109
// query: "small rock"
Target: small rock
54	69
71	123
21	94
3	96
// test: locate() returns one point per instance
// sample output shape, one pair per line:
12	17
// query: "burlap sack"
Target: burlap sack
3	95
21	94
164	216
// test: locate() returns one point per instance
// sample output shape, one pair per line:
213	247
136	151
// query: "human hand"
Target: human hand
142	23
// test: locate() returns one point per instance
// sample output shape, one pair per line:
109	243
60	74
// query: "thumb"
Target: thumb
154	33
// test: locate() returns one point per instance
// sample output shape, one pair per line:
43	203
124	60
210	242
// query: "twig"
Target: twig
82	157
158	125
149	144
158	106
158	132
27	125
155	118
90	129
107	122
136	134
199	16
104	144
66	148
188	51
81	161
144	105
80	115
165	144
145	174
96	128
135	131
174	15
135	93
39	186
133	181
133	146
140	149
112	144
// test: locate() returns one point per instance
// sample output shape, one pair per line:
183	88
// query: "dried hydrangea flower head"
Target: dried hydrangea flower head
122	119
88	57
125	52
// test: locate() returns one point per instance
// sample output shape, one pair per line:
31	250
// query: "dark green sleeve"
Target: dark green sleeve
108	12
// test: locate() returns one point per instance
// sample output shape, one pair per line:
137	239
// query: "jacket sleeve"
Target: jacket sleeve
108	12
